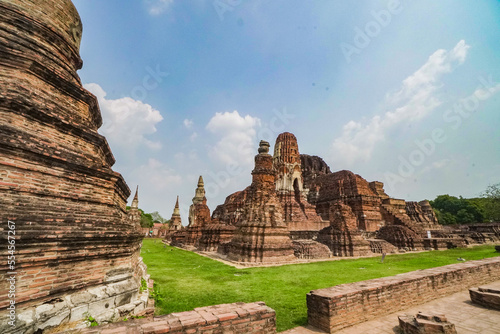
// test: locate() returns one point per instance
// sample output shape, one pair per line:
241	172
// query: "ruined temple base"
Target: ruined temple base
425	323
487	296
260	243
241	265
120	297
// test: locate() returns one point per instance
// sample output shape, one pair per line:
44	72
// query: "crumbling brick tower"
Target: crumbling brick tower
199	215
297	212
343	237
262	236
76	249
175	219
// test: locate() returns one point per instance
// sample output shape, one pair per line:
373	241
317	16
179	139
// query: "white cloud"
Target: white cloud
424	81
188	123
126	121
485	92
193	136
237	137
157	7
415	99
440	164
156	175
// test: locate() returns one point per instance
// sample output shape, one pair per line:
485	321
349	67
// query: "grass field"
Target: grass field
187	280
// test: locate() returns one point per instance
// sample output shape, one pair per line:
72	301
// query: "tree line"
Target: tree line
458	210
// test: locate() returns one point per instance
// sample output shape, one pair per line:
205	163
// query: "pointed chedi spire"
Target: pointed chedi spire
199	213
135	201
199	195
175	220
176	208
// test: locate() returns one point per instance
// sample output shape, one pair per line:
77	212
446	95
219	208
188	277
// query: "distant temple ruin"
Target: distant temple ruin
77	249
296	208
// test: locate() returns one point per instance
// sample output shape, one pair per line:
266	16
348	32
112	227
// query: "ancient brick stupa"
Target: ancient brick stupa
175	223
175	220
199	215
261	235
77	251
202	232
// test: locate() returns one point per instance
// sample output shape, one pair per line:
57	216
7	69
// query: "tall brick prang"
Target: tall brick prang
297	212
262	235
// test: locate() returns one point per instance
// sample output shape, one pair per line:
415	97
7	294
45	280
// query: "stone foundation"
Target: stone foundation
381	246
345	305
443	243
227	318
309	249
215	235
262	243
487	296
105	303
426	324
401	237
344	243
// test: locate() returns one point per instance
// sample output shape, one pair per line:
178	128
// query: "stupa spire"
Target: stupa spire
176	208
199	195
135	201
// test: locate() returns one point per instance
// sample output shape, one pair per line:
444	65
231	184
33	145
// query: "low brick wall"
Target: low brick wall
226	318
345	305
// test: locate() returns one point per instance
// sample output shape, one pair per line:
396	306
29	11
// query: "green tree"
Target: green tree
492	202
454	210
445	218
146	219
447	203
465	217
158	218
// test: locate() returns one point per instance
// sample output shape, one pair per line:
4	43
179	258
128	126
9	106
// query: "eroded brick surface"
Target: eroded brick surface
73	234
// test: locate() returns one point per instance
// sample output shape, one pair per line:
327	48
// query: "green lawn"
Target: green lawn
188	280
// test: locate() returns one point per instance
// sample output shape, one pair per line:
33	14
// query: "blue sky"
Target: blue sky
407	93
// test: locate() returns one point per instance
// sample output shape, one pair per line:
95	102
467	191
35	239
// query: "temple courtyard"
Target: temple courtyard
185	280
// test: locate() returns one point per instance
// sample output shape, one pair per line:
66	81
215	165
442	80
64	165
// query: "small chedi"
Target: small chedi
175	220
77	249
175	224
296	208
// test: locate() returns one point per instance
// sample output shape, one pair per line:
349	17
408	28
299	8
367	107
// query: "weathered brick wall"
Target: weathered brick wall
351	189
75	247
345	305
226	318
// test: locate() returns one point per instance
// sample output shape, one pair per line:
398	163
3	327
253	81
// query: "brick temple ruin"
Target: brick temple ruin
77	249
296	208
